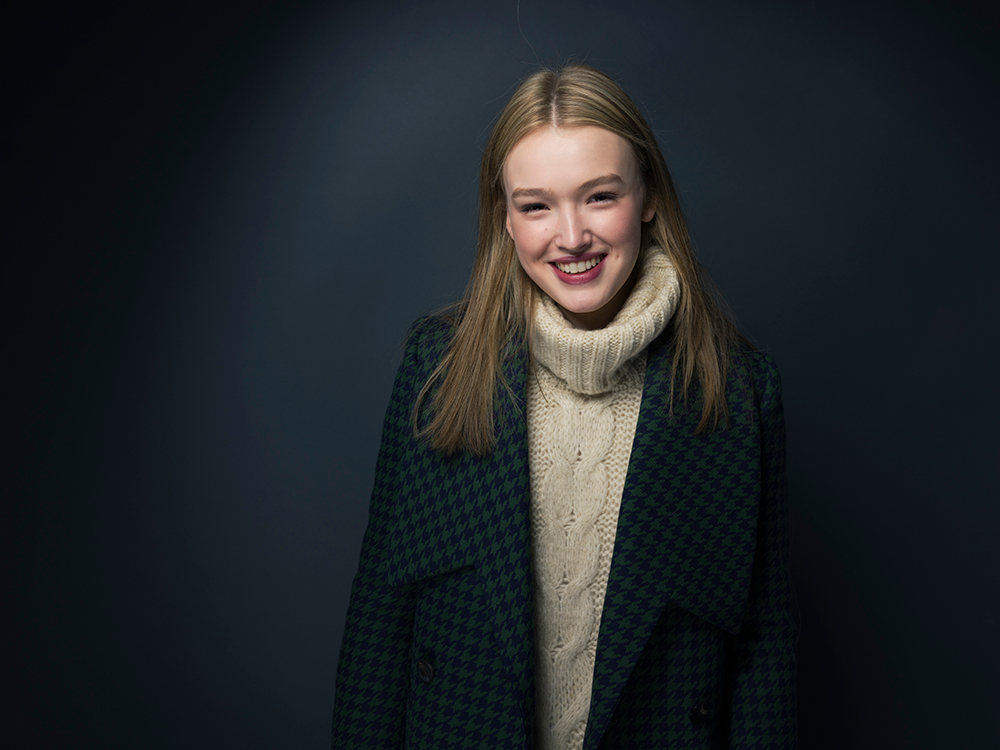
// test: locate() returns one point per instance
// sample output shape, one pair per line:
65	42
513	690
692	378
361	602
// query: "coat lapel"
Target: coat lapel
468	511
504	557
686	528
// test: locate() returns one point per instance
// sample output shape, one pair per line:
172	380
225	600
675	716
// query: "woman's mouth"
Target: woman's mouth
579	266
580	271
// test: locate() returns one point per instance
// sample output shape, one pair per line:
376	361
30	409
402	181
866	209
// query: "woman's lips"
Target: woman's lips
579	270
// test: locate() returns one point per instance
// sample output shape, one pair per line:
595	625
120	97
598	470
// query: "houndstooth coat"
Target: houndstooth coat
696	646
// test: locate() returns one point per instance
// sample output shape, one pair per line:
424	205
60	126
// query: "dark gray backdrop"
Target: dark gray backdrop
225	217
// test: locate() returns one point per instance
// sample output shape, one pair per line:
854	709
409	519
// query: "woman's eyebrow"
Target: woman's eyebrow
606	179
529	193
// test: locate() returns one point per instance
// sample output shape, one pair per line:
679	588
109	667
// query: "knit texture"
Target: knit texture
590	361
583	401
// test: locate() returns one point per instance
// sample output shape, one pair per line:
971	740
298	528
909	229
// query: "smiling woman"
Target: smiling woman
578	237
577	535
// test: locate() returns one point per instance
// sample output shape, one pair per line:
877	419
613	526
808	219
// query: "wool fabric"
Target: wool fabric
583	400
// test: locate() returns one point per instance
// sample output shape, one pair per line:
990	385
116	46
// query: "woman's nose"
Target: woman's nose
572	233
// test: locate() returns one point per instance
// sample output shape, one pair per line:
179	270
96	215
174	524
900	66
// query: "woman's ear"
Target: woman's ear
507	224
649	210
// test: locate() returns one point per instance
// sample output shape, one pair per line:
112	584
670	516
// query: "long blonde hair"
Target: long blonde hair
497	308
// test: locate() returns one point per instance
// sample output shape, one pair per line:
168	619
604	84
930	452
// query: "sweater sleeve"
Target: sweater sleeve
762	659
373	669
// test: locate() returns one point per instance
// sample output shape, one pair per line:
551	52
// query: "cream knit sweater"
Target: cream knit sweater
583	404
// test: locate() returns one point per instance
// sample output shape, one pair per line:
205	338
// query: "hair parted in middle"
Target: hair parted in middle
497	308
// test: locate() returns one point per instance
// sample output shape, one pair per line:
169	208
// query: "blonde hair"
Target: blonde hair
497	308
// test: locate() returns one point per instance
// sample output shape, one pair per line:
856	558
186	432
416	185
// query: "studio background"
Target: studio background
226	217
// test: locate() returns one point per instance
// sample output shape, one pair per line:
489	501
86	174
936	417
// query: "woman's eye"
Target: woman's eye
532	207
603	197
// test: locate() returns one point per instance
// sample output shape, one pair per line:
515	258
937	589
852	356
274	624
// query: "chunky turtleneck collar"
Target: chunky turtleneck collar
589	361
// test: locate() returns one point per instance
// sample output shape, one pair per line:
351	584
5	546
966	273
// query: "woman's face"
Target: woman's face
575	211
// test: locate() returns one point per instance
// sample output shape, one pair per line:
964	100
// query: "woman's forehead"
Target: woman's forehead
566	157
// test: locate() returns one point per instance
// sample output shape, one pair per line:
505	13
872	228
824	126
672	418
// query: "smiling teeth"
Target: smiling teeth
579	266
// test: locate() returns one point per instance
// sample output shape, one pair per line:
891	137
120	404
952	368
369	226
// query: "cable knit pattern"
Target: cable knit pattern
583	404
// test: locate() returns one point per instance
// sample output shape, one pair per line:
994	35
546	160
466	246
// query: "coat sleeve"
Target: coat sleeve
762	658
373	669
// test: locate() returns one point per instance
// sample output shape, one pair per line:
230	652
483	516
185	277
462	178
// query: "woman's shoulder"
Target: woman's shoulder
765	369
426	342
764	376
431	334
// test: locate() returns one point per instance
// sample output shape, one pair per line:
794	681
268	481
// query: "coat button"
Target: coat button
425	671
699	714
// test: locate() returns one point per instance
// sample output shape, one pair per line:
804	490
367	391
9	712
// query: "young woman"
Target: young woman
577	536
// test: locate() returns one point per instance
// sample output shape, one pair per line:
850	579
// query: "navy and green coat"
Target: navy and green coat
696	644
